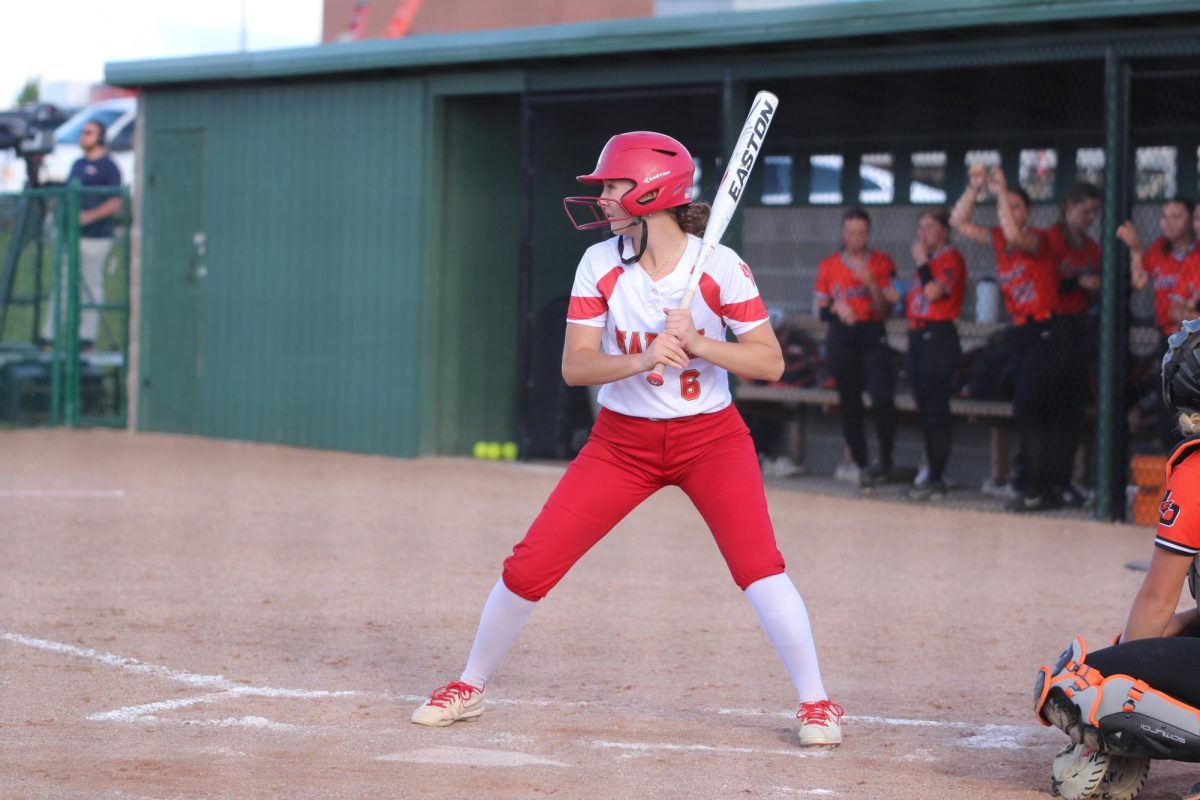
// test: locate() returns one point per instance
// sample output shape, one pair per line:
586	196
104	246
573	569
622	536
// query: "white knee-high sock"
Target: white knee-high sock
785	620
504	615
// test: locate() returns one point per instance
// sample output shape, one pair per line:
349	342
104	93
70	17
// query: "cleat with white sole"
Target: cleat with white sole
454	702
820	723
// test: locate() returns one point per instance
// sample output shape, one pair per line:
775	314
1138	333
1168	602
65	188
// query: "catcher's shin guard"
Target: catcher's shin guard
1117	714
1054	701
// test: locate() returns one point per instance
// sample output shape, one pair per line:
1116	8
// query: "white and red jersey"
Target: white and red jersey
628	305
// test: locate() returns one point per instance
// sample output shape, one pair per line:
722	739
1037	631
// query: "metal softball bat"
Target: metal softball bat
729	194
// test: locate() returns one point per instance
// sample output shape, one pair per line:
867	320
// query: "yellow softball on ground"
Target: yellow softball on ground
479	450
509	451
493	451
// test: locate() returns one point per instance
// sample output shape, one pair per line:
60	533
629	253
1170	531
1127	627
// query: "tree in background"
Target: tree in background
30	92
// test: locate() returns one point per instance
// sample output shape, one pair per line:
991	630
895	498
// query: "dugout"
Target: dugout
360	246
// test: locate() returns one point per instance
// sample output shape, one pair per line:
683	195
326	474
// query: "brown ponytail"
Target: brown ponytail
692	218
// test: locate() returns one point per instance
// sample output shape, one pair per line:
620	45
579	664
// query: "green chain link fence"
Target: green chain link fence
49	373
897	142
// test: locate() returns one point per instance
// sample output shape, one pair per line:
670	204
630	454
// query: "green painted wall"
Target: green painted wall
475	379
310	309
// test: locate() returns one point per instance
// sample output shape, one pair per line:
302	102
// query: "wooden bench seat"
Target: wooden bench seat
792	404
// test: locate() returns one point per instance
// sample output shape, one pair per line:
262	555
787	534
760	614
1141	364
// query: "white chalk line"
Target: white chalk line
114	494
648	747
148	712
471	757
122	662
983	736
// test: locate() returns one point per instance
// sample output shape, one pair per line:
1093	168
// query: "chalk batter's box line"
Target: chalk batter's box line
1004	735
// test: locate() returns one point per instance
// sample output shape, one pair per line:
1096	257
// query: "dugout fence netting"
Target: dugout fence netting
900	144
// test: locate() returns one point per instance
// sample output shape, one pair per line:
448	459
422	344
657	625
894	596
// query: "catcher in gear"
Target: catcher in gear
1139	699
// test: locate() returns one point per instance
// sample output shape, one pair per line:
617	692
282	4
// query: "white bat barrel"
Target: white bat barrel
729	194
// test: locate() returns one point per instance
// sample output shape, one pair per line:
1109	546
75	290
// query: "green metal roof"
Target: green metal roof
825	21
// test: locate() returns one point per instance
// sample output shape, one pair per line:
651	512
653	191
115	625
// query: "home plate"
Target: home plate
471	757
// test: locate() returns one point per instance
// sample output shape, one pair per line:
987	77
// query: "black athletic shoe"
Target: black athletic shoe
879	473
1073	498
1029	503
928	490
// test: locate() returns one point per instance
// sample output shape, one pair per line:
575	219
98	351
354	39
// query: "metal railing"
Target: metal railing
49	374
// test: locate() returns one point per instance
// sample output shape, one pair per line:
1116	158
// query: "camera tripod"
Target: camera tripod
27	232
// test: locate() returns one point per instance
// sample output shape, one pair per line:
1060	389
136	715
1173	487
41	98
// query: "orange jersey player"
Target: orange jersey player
853	293
1078	258
934	352
1027	268
1078	253
1168	264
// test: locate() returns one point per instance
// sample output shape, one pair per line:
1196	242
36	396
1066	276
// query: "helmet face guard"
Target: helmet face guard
660	167
592	213
1181	369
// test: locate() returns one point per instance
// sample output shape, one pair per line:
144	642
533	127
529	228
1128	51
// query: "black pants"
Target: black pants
1046	415
1171	665
934	353
859	358
1077	356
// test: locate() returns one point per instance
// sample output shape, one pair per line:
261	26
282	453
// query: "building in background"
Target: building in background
347	306
370	19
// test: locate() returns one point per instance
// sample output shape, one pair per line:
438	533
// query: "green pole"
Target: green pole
126	257
1111	434
71	334
56	309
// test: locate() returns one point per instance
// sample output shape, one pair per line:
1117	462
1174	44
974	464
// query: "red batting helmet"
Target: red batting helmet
661	167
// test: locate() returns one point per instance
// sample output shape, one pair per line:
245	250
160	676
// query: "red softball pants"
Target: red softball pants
626	459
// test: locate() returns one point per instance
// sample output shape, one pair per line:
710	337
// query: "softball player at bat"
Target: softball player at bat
1140	698
621	321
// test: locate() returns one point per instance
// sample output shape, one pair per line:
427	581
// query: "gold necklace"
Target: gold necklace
671	260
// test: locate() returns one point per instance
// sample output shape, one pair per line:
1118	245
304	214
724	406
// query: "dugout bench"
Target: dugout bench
792	403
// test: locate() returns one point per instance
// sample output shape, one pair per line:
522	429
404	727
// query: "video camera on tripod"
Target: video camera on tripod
29	131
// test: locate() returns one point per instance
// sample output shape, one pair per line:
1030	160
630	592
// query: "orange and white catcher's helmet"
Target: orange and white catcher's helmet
659	165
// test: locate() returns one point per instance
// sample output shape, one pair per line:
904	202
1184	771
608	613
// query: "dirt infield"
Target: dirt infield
184	618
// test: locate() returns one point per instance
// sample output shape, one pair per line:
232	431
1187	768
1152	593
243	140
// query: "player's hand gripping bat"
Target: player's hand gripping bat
729	193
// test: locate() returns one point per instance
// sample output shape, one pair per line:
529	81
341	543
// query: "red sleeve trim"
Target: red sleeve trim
592	307
586	307
608	284
751	310
710	290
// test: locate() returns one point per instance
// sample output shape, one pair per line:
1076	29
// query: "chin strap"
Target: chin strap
641	248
